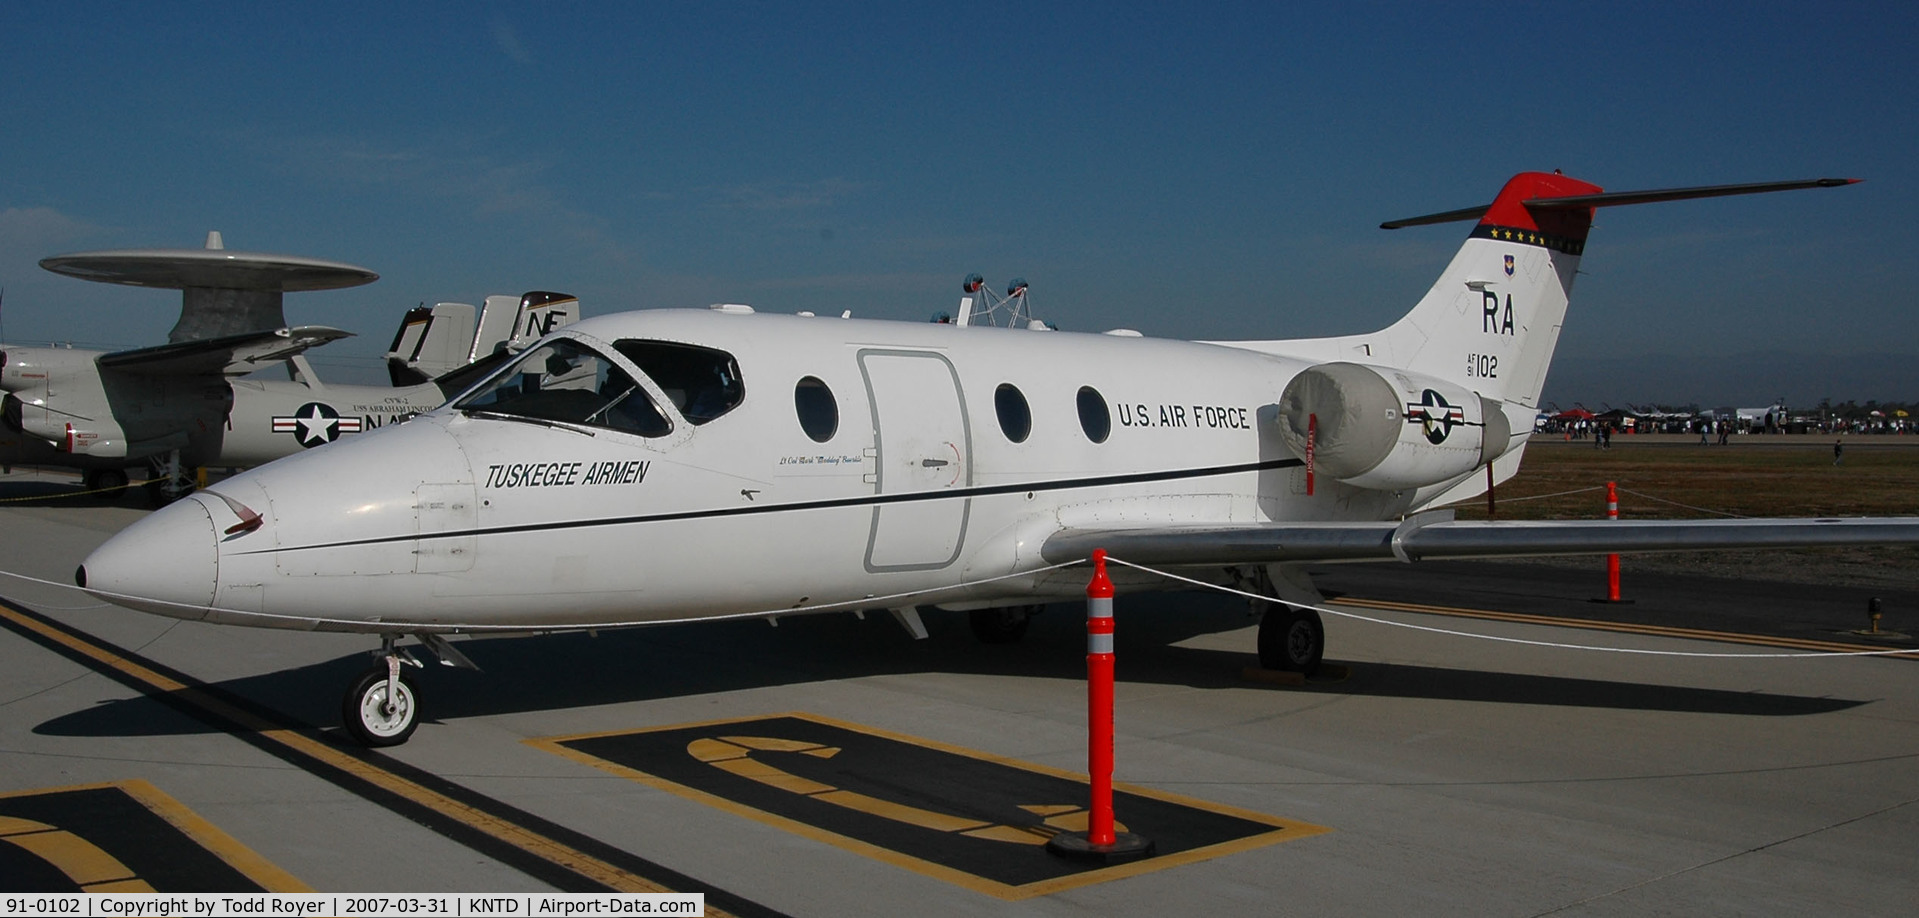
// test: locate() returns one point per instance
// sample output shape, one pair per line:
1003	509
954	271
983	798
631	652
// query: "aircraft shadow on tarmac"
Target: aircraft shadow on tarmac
574	670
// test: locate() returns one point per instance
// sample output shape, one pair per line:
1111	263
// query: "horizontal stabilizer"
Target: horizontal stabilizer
1616	198
232	355
1436	536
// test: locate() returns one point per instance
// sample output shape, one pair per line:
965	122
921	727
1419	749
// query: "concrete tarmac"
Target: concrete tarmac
1456	775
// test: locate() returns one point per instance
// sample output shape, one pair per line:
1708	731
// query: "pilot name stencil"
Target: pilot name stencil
563	474
821	460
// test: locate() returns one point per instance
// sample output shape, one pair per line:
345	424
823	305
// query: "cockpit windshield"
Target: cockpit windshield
701	382
568	382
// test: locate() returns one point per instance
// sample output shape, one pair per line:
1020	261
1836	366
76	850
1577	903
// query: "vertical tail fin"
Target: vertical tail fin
1484	333
1492	319
540	313
507	326
512	322
431	341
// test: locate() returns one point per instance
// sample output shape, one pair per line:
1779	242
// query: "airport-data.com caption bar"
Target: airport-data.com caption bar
335	905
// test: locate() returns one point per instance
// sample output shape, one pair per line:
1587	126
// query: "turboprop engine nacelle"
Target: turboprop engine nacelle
38	377
1385	429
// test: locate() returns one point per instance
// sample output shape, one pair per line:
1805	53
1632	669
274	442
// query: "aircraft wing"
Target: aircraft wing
229	355
1437	536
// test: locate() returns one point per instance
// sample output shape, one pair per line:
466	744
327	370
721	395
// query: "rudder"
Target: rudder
1492	319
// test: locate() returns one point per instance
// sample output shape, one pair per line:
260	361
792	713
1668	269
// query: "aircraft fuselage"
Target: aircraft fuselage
64	409
861	460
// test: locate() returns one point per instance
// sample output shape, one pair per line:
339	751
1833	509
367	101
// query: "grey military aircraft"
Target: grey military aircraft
200	399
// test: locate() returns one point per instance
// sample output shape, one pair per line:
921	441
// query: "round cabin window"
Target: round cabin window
1093	416
1015	418
818	411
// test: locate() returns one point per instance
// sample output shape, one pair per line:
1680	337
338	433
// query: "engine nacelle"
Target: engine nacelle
80	436
37	379
1386	429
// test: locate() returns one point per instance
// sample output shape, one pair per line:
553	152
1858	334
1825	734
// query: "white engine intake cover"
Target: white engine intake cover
1386	429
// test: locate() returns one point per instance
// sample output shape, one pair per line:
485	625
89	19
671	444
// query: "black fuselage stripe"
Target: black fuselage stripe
866	500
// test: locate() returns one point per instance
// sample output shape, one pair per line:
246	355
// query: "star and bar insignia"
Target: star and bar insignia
316	424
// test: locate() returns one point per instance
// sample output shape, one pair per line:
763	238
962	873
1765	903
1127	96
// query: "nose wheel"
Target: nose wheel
382	707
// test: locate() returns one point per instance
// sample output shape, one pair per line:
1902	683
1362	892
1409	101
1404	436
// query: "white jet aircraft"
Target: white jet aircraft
674	465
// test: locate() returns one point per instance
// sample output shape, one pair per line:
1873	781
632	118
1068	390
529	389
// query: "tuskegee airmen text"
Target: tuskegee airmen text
563	474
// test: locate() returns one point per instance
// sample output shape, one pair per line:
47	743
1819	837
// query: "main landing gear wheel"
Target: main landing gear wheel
1291	639
376	716
107	484
1003	625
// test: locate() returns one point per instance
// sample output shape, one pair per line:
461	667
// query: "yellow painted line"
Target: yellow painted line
519	836
264	873
1732	637
84	862
1283	829
227	848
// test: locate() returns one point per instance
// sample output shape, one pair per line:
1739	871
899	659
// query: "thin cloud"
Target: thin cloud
787	196
509	42
33	229
488	185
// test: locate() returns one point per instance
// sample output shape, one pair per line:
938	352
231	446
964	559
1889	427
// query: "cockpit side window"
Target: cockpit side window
701	382
564	380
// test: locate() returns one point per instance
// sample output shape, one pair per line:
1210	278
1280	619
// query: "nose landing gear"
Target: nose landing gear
383	705
381	709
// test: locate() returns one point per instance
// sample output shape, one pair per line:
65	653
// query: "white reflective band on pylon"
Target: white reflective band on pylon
1099	643
1099	607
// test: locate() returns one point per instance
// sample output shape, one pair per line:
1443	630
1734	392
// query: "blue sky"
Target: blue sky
1190	170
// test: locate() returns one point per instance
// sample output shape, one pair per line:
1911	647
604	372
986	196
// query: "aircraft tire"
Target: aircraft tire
107	484
1002	625
1291	639
367	722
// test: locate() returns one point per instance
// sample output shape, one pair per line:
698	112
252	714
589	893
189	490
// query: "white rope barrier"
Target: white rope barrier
892	600
1737	516
1515	500
1662	500
1556	645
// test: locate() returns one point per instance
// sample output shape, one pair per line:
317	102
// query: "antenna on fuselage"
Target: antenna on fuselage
980	306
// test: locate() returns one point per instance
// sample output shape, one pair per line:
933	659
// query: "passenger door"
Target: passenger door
924	447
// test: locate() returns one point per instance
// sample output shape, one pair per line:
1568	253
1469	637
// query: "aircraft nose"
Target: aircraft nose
167	563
